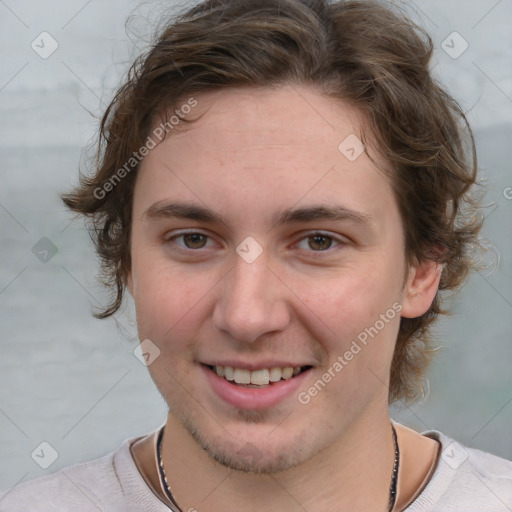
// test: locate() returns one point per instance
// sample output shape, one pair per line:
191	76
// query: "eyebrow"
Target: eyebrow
321	212
163	209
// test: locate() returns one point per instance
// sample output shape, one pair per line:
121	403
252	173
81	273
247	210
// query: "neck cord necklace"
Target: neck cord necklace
394	476
164	484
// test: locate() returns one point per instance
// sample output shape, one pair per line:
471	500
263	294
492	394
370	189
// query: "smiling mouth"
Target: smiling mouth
257	378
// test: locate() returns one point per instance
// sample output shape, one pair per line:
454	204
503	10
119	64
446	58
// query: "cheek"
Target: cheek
351	299
348	323
169	302
357	340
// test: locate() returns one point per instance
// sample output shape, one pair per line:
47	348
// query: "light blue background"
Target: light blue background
73	381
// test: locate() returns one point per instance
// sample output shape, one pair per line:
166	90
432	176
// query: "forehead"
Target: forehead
245	118
269	148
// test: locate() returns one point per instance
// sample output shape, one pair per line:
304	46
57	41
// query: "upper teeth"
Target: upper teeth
258	377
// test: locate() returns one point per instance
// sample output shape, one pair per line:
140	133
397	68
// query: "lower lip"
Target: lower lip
253	398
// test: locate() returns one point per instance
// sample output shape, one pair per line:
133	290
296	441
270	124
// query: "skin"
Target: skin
253	153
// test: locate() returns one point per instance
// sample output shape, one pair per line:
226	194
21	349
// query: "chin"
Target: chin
255	449
252	457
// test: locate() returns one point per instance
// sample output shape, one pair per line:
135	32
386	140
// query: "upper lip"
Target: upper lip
252	366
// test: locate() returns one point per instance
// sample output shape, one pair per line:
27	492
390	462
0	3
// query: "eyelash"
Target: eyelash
335	240
180	235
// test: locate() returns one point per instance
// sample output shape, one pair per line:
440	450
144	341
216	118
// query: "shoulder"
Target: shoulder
466	479
91	486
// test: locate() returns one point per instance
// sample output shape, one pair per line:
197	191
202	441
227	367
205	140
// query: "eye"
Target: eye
318	242
190	240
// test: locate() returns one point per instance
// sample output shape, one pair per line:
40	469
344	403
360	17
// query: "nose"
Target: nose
251	302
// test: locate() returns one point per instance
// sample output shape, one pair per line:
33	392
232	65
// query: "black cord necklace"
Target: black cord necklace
394	476
164	484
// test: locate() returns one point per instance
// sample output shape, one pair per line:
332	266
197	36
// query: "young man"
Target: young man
283	190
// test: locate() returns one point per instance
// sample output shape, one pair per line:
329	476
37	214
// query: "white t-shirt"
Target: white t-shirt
465	480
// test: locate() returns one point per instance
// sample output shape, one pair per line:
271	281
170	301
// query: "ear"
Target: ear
421	288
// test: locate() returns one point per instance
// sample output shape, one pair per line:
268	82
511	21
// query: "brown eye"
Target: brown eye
319	242
194	240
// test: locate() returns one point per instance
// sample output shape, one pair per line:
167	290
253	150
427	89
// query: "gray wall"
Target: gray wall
73	381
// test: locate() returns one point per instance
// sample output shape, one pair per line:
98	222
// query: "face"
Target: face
258	245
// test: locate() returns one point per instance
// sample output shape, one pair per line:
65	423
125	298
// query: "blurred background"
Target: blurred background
72	381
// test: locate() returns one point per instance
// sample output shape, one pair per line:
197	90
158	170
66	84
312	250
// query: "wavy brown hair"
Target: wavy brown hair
363	52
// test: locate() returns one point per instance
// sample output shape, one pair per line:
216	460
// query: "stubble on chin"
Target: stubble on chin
245	456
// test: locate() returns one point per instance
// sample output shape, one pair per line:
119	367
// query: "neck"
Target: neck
352	474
